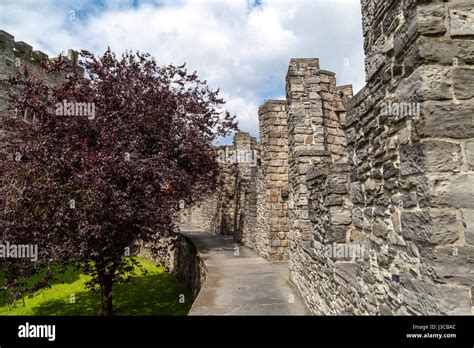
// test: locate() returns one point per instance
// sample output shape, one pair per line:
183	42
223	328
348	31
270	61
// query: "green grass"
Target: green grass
156	293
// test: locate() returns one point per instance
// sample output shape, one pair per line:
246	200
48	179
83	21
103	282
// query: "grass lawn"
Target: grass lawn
156	293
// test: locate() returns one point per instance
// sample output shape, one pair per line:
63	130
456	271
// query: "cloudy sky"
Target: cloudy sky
241	46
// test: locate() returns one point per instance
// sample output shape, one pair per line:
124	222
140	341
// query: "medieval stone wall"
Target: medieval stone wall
272	203
406	247
15	56
379	214
369	197
216	213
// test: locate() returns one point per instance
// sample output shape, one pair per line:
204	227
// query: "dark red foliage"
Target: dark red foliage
85	189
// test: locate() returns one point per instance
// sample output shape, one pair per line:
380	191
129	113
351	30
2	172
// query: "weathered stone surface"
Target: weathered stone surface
357	192
412	160
470	153
421	297
442	156
451	264
429	226
390	170
375	58
454	121
379	229
462	20
340	216
454	190
468	221
336	234
405	35
395	239
463	81
426	82
444	52
431	19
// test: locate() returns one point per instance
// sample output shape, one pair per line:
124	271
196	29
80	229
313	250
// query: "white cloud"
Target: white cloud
244	50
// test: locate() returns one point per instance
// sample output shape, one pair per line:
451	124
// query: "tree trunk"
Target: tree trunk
106	297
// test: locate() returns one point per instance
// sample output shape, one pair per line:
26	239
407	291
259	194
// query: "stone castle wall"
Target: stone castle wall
370	197
15	56
216	213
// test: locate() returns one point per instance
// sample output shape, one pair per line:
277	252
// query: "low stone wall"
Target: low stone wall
182	261
187	266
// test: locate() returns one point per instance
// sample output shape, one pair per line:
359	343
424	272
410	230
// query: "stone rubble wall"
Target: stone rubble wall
182	261
410	179
379	216
320	207
215	213
272	201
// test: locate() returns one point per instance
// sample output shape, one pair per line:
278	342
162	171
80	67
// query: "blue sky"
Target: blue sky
241	46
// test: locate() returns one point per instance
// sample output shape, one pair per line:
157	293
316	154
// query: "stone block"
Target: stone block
336	233
463	81
462	20
453	121
379	229
429	226
359	220
357	192
449	264
426	83
468	221
442	156
389	170
405	35
375	58
331	200
340	216
470	154
451	190
412	160
444	52
431	19
425	298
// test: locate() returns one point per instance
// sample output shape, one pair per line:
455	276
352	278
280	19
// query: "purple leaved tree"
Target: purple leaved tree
105	163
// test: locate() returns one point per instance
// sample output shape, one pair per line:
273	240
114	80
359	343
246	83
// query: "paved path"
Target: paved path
245	284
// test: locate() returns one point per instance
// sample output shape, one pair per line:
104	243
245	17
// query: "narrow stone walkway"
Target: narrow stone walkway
243	284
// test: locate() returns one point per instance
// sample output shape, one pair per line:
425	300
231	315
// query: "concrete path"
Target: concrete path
246	284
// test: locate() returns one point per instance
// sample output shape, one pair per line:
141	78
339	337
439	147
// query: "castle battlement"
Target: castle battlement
9	48
18	55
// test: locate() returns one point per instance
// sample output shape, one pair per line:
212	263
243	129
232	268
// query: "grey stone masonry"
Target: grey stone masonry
245	218
380	205
272	209
306	141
